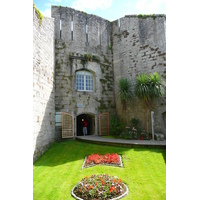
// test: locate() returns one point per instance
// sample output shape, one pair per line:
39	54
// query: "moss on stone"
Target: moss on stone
106	60
111	48
145	16
103	81
70	77
64	45
102	106
58	66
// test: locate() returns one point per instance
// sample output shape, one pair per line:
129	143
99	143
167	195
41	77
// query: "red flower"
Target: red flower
90	187
113	188
98	159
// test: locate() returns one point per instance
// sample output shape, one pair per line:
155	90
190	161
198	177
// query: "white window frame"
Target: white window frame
85	73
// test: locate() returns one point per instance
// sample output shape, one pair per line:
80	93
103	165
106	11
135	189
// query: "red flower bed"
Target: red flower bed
109	158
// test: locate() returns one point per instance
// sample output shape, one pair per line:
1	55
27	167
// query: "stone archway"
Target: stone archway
91	124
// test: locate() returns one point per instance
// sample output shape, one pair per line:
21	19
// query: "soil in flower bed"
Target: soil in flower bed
100	187
107	159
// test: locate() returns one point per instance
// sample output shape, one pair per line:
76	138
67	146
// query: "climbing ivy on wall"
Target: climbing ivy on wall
39	14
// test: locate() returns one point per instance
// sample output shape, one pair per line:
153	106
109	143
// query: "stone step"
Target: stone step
159	136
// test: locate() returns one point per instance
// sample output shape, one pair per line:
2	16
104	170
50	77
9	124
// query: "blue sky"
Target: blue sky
108	9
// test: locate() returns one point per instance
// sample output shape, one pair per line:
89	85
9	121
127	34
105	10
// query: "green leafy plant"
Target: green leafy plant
111	48
156	86
145	16
148	88
88	57
124	91
140	16
135	123
117	126
39	14
142	91
153	16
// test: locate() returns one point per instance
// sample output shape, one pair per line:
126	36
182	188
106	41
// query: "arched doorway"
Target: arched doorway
91	124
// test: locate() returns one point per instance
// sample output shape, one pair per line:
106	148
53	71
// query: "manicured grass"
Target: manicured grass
59	169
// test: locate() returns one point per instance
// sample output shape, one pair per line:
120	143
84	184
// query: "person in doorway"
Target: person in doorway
85	124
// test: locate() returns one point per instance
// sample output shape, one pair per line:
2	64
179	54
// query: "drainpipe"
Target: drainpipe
152	124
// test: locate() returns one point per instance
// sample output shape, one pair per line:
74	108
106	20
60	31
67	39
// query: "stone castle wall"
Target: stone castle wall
43	85
109	50
74	54
139	46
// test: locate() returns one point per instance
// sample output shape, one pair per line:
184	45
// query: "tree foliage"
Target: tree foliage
148	88
124	92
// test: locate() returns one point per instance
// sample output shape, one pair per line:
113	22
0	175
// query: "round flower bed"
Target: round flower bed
101	186
107	159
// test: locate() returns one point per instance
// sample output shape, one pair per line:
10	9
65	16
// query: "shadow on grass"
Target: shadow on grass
71	150
155	150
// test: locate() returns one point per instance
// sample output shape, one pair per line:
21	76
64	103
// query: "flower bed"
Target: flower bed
107	159
101	186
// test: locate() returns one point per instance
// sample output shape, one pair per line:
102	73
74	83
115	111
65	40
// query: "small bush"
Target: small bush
134	132
117	126
127	134
135	123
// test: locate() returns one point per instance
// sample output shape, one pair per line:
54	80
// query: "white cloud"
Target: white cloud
151	6
55	1
47	13
91	4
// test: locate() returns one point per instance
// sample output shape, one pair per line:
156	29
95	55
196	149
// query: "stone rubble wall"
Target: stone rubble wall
139	46
43	85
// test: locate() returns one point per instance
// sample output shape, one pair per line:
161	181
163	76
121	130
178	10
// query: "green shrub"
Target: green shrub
127	134
124	91
135	123
117	126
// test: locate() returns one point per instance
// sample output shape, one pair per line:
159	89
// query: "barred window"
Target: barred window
84	81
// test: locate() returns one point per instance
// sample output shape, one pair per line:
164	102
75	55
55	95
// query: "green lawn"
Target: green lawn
59	169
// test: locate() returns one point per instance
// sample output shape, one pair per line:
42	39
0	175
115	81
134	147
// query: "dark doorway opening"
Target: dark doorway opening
91	124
